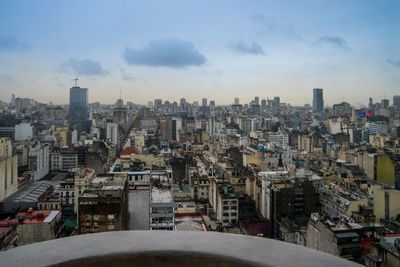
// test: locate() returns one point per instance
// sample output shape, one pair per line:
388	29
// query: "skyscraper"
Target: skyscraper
276	105
396	100
13	100
318	100
204	102
78	108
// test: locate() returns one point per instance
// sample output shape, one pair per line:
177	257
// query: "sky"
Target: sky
193	49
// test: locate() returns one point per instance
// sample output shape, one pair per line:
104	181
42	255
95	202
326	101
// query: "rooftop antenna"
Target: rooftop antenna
76	81
120	94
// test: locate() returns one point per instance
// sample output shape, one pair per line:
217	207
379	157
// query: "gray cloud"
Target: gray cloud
247	48
394	63
8	43
82	67
125	76
5	78
172	53
333	41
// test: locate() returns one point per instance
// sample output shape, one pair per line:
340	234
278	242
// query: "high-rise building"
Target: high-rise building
263	104
236	101
276	104
212	103
78	108
157	103
396	100
318	100
13	100
204	102
257	100
113	134
385	103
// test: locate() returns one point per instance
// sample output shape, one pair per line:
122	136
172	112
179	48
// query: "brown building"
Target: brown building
103	206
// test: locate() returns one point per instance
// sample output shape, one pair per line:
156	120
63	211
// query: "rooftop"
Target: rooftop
32	217
160	195
129	151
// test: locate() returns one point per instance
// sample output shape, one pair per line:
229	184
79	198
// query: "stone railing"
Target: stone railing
166	248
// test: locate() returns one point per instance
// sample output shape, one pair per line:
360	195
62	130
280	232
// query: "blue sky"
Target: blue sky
194	49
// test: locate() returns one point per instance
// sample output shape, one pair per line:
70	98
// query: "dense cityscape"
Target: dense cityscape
206	133
327	178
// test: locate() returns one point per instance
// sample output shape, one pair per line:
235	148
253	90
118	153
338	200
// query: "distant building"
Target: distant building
396	100
23	131
78	109
113	133
276	105
204	102
318	100
342	109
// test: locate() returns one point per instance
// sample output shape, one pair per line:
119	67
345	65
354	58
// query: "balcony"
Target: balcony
166	248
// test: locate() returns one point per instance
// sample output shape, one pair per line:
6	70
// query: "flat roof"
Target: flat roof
160	195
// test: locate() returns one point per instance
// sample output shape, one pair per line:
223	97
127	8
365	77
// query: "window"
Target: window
111	227
111	216
233	214
96	217
226	214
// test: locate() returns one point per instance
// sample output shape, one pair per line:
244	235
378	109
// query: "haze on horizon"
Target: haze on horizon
194	49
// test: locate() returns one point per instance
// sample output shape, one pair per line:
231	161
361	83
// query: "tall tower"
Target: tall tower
78	108
204	102
318	100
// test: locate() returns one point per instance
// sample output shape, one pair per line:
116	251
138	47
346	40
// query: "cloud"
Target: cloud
245	48
125	76
6	78
83	67
8	43
171	53
272	28
332	41
394	63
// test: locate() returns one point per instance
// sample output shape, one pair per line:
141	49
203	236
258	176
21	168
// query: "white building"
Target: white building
112	133
162	210
23	131
38	160
280	140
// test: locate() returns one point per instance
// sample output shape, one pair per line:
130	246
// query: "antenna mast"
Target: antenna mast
76	81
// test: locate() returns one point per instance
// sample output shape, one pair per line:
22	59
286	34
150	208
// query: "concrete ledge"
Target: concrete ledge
166	248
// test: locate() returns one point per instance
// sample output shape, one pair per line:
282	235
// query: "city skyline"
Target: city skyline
196	50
